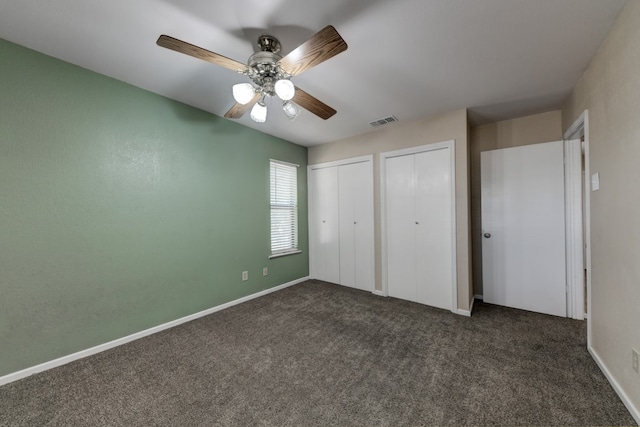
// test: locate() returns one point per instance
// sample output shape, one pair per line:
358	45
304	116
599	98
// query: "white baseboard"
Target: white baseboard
379	293
635	412
15	376
466	313
477	296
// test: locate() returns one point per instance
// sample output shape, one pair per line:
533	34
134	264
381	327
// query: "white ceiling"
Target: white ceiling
408	58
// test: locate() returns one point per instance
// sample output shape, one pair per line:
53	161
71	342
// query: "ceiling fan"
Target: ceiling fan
270	73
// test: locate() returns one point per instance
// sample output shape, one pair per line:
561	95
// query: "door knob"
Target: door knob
487	235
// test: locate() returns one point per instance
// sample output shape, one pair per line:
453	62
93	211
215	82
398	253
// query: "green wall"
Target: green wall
121	210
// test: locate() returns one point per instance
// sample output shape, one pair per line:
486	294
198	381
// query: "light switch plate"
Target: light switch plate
595	181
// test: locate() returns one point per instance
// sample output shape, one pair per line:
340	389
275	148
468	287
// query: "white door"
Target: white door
355	196
401	228
419	228
324	241
434	229
523	226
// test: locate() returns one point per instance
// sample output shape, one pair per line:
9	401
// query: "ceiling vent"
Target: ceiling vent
383	121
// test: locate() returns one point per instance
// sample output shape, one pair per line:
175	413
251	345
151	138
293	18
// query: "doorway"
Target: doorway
580	130
533	227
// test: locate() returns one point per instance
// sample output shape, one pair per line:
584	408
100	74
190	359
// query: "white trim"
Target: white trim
574	229
279	254
378	293
466	313
635	412
15	376
478	296
383	220
587	219
359	159
284	163
581	127
461	312
576	128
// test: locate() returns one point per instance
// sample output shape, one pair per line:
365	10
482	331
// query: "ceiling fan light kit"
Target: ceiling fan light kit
270	73
243	93
285	89
290	109
259	112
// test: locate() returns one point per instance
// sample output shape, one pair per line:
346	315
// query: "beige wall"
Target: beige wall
449	126
534	129
610	90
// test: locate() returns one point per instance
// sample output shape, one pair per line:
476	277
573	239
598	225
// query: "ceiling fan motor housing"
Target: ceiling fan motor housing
268	43
263	67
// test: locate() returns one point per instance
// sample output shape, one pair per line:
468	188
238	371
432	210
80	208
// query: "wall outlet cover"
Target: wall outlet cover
634	360
245	276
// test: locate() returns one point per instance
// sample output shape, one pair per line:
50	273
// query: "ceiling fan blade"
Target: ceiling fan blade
200	53
312	104
238	109
325	44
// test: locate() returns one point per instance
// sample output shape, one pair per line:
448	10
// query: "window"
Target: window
284	208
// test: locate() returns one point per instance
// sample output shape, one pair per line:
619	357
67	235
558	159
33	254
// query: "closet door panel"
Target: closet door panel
346	193
400	221
326	253
356	225
434	228
363	227
314	228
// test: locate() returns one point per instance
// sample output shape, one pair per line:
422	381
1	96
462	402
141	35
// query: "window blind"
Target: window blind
284	207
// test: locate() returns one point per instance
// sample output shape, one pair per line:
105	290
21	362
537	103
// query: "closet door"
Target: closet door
324	225
401	227
419	227
355	194
434	228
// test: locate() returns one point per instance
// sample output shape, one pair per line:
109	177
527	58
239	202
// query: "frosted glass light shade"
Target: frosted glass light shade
259	112
243	93
285	89
291	110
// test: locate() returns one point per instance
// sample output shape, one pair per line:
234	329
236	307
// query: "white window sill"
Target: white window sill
297	251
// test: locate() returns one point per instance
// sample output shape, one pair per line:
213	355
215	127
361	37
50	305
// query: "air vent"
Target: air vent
384	121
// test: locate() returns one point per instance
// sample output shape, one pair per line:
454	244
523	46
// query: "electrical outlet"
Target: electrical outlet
245	276
265	271
634	360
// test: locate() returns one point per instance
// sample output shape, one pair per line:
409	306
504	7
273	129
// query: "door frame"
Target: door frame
580	128
383	211
574	229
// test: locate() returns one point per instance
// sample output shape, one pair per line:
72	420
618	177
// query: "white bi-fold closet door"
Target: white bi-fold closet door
419	227
341	222
324	234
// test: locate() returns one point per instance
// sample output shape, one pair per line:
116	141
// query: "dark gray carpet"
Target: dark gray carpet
319	355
